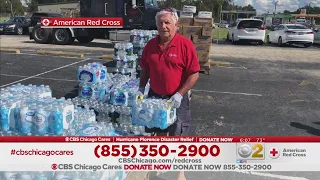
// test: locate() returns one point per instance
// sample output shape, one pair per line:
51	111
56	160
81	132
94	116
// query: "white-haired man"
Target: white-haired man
170	61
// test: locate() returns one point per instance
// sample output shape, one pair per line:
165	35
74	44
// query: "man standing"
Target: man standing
170	62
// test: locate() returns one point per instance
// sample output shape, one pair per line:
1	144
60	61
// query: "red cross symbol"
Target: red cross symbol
274	152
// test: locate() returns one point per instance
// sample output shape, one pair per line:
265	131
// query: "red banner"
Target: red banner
98	22
156	139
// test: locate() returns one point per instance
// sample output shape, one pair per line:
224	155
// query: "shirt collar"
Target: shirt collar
173	42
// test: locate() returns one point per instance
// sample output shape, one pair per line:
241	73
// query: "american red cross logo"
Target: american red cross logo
46	22
274	153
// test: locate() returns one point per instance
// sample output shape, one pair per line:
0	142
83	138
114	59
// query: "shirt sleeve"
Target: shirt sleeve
192	62
144	64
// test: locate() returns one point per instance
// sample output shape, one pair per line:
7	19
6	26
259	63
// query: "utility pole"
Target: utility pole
275	7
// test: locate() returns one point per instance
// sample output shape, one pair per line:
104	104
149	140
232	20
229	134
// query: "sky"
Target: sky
264	6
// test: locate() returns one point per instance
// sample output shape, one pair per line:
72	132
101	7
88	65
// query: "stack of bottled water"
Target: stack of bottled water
122	125
86	124
19	90
125	93
63	175
37	116
94	81
153	113
125	59
139	39
96	91
92	72
141	36
16	175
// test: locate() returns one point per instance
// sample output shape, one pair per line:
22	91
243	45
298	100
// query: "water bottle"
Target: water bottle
103	73
5	117
85	90
57	124
133	36
41	176
26	176
11	175
61	176
40	121
26	116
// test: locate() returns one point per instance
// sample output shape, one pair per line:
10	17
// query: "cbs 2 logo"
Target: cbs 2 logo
255	151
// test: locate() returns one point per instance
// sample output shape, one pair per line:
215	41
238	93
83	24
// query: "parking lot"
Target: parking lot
256	90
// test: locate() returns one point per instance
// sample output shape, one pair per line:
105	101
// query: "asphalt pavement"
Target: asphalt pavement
247	98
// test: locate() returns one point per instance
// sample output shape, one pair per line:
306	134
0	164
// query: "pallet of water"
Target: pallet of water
101	91
126	47
37	116
153	113
96	174
97	91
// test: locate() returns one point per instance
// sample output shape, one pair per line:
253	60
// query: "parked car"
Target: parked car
251	30
316	36
291	34
16	25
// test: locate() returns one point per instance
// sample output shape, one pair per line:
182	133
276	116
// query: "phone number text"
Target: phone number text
152	150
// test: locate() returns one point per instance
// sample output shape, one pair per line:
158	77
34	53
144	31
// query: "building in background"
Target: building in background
71	9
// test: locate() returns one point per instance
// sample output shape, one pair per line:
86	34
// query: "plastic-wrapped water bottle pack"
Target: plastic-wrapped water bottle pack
92	72
139	39
19	90
96	91
37	116
127	47
139	35
101	91
153	113
124	95
63	175
120	117
30	110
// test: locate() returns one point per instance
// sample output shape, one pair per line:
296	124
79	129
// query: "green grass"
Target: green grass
3	18
221	33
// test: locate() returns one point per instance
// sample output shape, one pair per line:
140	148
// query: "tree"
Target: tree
14	7
33	5
286	12
248	8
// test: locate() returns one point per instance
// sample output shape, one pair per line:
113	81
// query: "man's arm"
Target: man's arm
144	77
192	79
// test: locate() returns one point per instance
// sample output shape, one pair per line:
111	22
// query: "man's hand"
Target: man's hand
176	100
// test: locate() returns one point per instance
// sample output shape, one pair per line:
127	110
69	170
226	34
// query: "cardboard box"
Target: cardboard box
186	14
192	30
206	31
201	39
180	31
184	21
192	9
206	22
205	64
204	14
187	36
203	56
205	47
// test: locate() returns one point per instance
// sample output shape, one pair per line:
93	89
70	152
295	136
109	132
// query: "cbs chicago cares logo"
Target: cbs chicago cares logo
251	151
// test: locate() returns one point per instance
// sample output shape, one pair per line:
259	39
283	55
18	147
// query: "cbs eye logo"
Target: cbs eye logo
251	151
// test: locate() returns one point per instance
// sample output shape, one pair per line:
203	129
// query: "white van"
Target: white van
251	30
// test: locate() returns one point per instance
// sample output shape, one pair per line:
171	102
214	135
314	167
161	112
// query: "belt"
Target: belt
153	94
